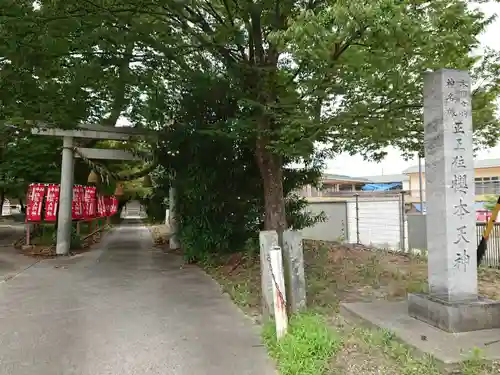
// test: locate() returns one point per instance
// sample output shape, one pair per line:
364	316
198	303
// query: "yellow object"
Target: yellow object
93	178
493	218
119	190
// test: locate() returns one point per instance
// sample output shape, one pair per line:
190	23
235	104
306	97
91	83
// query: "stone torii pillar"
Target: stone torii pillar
64	219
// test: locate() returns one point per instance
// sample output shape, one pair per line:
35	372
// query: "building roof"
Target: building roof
387	178
380	179
486	163
340	177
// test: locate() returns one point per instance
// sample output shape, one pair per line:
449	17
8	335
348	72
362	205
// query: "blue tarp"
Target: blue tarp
417	207
382	187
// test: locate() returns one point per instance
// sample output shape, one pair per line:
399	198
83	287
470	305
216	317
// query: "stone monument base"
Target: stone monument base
455	317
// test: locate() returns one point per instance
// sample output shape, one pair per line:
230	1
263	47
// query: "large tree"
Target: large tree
347	73
343	72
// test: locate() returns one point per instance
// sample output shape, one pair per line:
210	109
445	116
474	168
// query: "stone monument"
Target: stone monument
452	303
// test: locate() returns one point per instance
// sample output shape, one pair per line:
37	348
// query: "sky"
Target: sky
393	162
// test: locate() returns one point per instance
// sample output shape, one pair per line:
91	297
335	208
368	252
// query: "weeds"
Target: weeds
307	347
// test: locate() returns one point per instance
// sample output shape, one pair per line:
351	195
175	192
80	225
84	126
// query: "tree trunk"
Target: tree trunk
271	170
2	200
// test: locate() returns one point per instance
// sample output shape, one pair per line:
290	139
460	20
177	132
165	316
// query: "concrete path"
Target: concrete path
125	310
11	261
9	232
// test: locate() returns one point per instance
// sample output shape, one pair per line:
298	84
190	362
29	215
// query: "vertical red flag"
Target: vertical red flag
104	205
89	207
77	203
114	205
51	202
34	202
107	206
28	201
101	206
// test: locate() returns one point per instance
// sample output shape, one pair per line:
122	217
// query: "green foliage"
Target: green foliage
298	217
307	347
26	158
271	80
491	202
217	181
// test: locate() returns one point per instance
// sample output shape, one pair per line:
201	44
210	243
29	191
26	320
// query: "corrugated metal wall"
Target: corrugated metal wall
372	221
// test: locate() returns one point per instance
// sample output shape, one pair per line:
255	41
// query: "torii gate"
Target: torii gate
100	132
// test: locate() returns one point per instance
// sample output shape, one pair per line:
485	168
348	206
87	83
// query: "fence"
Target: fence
492	256
379	219
371	218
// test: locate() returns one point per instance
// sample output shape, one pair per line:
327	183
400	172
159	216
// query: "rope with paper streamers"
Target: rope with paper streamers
106	174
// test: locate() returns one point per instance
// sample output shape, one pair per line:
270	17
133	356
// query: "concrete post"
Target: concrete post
268	239
420	185
293	258
402	221
65	199
357	219
279	294
173	242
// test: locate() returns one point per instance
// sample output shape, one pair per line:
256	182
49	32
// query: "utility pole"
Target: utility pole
420	187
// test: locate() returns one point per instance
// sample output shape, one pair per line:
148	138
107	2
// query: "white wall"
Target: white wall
406	185
379	222
335	226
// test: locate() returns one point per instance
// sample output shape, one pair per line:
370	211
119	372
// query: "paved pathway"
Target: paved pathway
122	311
11	261
9	232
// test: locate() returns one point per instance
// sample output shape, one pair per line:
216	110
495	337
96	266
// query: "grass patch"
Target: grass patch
401	355
306	349
239	276
377	351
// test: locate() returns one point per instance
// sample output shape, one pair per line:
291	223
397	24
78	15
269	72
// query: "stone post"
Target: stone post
268	239
279	293
453	303
293	264
293	256
66	198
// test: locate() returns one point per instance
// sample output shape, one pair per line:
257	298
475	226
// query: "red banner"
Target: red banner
107	205
52	202
101	206
34	202
114	205
89	206
77	203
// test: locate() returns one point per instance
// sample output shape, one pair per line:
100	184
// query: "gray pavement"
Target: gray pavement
126	309
11	261
9	232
